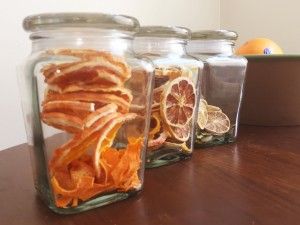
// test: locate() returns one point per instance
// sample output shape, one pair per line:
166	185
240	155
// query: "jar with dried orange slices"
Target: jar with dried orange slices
86	103
175	93
221	86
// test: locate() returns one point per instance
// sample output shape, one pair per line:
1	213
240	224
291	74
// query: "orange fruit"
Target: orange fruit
259	46
218	123
178	102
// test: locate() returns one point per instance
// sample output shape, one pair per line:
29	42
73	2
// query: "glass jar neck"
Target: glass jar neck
119	43
159	46
210	47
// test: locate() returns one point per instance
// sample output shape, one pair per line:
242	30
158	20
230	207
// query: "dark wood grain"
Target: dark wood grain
255	181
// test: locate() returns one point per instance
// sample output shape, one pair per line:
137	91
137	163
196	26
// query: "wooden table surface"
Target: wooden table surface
254	181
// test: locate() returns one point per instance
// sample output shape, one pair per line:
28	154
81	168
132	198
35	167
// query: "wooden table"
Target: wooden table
255	181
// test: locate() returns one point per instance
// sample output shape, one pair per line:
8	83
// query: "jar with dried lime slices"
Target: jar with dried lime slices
86	103
221	86
175	94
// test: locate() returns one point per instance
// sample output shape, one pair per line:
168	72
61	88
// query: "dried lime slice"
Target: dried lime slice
212	108
218	123
202	115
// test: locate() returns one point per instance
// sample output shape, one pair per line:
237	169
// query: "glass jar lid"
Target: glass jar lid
214	35
80	20
164	32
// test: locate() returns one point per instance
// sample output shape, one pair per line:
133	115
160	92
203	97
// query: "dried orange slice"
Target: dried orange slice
101	112
83	69
171	72
62	121
118	90
178	102
181	133
78	145
75	108
157	96
218	123
89	54
156	143
154	124
100	99
202	114
100	76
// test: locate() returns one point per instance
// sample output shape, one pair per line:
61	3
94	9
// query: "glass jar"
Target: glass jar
221	86
175	100
86	104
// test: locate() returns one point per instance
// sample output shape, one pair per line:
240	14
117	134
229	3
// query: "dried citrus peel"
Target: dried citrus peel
107	137
80	144
85	89
121	173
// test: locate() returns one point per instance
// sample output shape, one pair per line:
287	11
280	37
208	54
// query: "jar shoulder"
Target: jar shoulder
179	60
227	60
47	56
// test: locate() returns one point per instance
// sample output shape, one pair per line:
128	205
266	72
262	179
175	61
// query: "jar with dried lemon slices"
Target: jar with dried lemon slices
221	86
86	103
175	99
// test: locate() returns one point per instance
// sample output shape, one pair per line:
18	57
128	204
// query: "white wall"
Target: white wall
275	19
15	45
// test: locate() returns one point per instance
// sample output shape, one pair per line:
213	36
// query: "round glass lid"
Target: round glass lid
83	20
214	35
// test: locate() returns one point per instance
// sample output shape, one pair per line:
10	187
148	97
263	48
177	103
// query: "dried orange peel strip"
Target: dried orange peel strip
109	131
125	173
122	173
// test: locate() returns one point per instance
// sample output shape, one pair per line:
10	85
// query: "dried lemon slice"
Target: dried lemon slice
202	115
218	123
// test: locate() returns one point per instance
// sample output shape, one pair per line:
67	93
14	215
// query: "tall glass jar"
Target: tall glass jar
221	86
86	100
175	100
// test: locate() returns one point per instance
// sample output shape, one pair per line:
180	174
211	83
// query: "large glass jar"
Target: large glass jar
221	86
175	100
86	100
